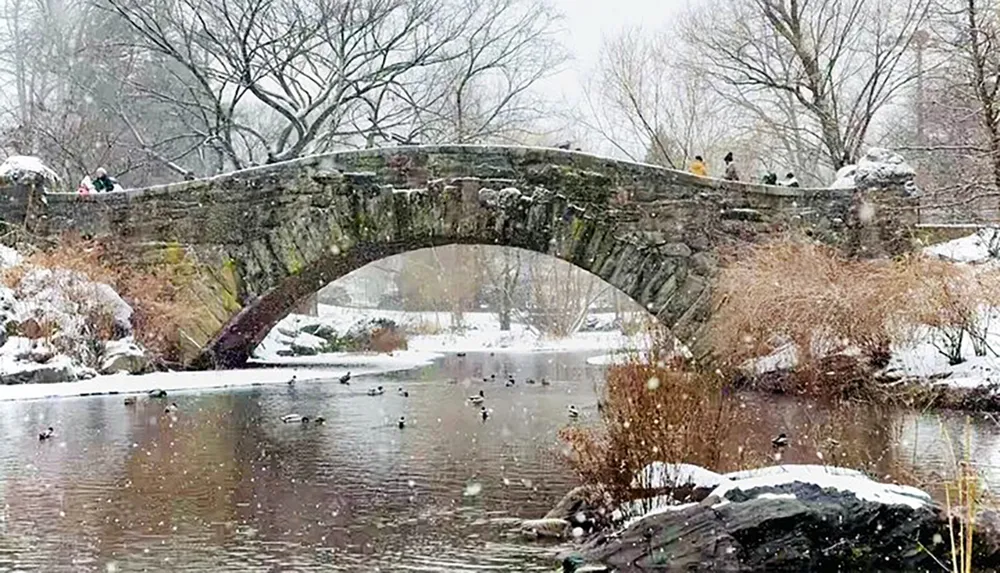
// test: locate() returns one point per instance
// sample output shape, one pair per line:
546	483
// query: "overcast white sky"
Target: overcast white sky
587	21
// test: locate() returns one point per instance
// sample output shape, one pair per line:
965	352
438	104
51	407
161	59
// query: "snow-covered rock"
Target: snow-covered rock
845	178
974	248
123	356
9	257
18	167
880	167
24	361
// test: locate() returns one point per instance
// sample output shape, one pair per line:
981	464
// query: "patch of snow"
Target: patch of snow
657	511
389	362
777	496
839	479
17	166
793	470
660	475
969	249
9	257
845	178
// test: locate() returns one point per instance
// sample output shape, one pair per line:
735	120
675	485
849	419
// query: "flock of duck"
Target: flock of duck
476	400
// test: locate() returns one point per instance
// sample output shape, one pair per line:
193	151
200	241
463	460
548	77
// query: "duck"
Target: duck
48	433
461	355
484	413
545	382
572	563
294	419
780	442
492	377
529	381
320	420
171	408
403	393
572	411
401	423
477	399
130	400
291	381
158	393
508	383
376	391
346	378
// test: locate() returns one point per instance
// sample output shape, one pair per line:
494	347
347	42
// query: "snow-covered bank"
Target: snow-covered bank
334	366
433	332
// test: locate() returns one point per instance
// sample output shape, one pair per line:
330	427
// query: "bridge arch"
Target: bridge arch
262	239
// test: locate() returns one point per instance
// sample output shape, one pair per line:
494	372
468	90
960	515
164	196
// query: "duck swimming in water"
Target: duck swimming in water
401	423
48	433
572	411
376	391
346	378
477	399
158	393
294	419
130	400
545	382
291	382
403	393
171	408
320	420
484	413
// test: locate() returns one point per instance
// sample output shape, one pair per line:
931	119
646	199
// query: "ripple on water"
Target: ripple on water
225	486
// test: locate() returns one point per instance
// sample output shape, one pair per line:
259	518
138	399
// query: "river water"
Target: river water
224	485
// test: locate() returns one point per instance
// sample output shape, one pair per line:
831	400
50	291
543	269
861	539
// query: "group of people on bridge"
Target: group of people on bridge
101	182
700	168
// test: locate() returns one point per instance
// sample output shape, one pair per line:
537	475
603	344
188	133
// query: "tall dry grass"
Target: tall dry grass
156	292
843	317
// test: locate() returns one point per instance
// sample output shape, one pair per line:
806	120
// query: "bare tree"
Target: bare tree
841	60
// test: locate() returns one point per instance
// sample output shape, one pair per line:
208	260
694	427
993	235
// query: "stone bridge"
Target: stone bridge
264	239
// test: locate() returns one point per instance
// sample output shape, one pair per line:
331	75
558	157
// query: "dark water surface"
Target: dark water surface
225	486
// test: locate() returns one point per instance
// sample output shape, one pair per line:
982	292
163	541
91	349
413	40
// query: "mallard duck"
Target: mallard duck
346	378
545	382
294	419
572	563
401	423
477	399
158	393
320	420
529	381
484	413
572	411
780	442
291	381
171	408
403	393
376	391
48	433
508	383
461	355
130	400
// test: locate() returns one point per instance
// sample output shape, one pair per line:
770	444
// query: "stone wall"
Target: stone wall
264	239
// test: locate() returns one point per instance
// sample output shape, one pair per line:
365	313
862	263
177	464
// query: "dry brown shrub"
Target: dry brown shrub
652	412
156	292
388	340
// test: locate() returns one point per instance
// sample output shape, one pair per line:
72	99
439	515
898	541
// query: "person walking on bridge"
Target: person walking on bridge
103	183
731	174
698	167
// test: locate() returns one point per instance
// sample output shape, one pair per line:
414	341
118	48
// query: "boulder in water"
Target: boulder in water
123	356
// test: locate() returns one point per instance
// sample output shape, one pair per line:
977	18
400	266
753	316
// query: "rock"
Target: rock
676	250
303	350
58	369
788	518
552	528
41	354
583	506
123	356
883	168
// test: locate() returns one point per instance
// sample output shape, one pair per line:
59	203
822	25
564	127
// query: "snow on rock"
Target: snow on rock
825	477
24	361
123	356
880	167
974	248
18	166
845	178
661	475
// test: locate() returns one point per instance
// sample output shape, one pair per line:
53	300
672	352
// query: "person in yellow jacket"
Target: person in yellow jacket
698	167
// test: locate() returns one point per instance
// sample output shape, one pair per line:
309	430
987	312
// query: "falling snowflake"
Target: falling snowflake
577	532
472	489
653	383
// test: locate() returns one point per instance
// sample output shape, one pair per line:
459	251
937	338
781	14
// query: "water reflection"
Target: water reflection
225	486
